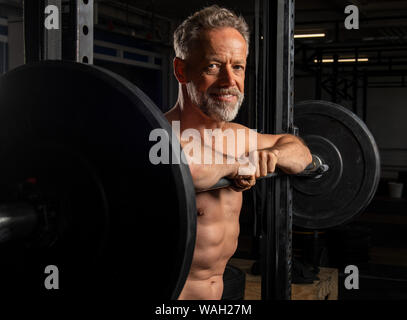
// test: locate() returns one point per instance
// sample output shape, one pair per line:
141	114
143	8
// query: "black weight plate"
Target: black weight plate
343	142
122	223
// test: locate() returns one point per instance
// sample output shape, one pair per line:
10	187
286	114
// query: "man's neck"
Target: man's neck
191	116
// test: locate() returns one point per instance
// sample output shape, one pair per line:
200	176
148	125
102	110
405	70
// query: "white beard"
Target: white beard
217	110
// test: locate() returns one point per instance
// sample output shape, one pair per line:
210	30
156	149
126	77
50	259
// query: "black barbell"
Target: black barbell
74	162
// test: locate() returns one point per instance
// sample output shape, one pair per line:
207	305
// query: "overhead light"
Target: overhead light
342	60
353	60
309	35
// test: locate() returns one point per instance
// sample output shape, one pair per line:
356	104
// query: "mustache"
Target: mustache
232	91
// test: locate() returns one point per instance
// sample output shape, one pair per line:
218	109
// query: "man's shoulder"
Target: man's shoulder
237	126
252	136
234	126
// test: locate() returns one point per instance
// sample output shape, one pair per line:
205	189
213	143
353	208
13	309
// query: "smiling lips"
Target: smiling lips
224	97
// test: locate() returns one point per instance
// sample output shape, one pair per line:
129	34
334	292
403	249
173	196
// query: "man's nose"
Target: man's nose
227	77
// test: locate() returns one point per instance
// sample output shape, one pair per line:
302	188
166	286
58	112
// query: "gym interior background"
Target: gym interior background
134	39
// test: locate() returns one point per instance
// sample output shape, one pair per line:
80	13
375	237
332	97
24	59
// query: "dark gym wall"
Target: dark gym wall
386	118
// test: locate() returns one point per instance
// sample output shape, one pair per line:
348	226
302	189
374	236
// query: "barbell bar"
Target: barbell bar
314	170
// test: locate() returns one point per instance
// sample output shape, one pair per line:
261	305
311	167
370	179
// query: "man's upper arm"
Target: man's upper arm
267	141
263	141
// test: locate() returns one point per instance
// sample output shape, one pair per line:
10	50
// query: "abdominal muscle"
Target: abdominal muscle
216	242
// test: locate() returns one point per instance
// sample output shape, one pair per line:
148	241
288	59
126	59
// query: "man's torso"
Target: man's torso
216	241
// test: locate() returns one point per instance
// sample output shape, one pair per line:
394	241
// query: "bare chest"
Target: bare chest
219	205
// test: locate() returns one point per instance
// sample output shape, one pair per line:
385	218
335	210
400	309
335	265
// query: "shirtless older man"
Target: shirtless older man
211	49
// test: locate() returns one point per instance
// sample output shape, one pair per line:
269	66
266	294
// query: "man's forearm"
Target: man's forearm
209	166
292	153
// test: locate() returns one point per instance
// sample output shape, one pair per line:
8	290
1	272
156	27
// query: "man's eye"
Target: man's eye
213	66
238	67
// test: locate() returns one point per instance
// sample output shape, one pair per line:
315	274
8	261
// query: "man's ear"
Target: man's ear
180	70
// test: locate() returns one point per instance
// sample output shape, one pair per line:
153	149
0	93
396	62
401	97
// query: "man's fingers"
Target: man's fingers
246	179
254	160
271	162
251	167
263	160
245	182
266	163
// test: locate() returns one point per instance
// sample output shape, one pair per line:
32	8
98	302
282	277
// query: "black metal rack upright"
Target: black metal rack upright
72	40
274	40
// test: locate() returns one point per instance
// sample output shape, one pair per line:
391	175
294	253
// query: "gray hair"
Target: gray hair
212	17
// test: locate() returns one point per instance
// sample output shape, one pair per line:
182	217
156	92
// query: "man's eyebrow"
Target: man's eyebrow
214	58
217	59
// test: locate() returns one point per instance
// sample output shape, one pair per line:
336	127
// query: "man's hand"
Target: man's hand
260	164
243	183
266	163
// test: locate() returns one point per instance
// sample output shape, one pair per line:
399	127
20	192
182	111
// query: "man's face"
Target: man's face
216	70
